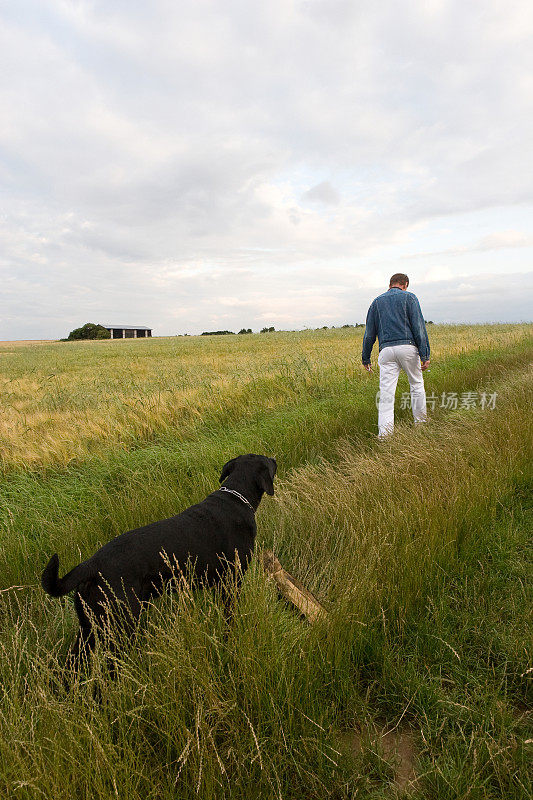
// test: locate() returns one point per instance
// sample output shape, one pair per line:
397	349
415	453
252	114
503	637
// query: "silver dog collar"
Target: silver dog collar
237	494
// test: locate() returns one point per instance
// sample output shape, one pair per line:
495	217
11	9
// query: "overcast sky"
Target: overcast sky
194	165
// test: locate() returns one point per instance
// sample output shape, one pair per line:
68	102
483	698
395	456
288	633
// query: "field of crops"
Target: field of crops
418	681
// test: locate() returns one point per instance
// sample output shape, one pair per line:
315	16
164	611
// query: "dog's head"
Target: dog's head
260	468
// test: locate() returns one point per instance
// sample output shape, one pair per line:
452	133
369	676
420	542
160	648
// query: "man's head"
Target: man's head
399	280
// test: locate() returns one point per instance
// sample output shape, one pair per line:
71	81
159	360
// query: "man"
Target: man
396	319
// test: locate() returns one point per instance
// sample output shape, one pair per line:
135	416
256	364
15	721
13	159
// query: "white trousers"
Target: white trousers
391	360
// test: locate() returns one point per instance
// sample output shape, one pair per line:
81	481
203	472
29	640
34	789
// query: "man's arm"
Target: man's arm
370	335
418	328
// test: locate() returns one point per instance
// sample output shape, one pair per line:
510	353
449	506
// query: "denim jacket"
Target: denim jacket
395	318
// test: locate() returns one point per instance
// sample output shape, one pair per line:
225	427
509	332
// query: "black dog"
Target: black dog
206	538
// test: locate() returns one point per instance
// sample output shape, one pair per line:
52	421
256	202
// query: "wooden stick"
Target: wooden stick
291	588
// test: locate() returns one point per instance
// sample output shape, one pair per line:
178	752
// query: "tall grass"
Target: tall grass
404	543
74	508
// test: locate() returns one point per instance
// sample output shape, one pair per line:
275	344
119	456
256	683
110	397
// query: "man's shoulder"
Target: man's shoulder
410	297
380	297
388	297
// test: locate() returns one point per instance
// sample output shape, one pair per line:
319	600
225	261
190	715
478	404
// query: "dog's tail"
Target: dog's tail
56	586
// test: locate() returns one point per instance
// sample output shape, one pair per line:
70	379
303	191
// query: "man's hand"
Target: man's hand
424	365
368	367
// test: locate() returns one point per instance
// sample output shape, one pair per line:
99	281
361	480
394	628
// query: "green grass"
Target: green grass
420	549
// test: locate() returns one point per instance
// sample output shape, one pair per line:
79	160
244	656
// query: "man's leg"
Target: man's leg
389	369
409	359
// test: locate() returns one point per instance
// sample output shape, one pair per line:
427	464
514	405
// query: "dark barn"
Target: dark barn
128	331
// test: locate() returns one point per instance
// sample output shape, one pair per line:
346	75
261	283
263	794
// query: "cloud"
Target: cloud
151	152
323	193
504	239
500	240
480	298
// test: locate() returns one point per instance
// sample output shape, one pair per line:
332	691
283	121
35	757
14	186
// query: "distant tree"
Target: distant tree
428	321
245	330
218	333
267	330
89	331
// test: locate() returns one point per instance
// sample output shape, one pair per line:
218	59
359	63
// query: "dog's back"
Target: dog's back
201	539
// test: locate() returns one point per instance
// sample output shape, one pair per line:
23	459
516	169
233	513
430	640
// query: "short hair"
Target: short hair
400	278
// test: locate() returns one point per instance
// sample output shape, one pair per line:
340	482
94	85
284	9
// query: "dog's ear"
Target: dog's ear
265	477
227	469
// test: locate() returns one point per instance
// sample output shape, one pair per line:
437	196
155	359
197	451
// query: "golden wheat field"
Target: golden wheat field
64	400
